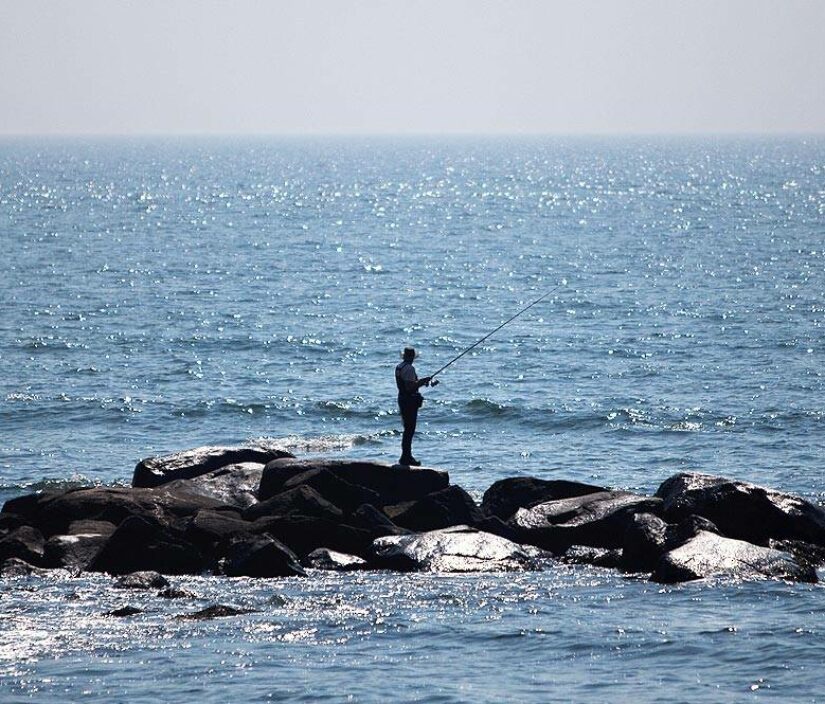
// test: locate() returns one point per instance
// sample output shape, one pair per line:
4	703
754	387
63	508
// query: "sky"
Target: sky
411	66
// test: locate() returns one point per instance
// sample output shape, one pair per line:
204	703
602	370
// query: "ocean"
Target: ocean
160	294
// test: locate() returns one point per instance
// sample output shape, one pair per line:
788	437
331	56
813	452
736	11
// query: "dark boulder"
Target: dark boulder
742	510
711	555
215	611
301	501
338	491
73	552
456	549
806	554
26	508
507	496
303	534
25	543
261	556
598	557
155	471
597	520
369	517
325	559
210	527
449	507
144	544
392	483
645	541
235	485
10	522
146	579
124	612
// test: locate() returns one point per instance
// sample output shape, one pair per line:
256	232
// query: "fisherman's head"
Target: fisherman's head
408	354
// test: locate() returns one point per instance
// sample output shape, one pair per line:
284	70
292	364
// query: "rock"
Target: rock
300	501
24	508
155	471
261	556
303	534
597	520
235	485
337	491
209	527
84	527
325	559
806	554
10	522
598	557
494	525
711	555
507	496
73	552
369	517
175	593
144	544
141	580
52	513
25	543
448	507
742	510
392	483
456	549
15	567
215	611
124	611
645	541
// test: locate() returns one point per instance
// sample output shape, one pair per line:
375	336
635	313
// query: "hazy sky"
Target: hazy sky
324	66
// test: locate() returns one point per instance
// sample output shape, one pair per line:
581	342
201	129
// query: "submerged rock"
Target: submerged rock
325	559
392	483
234	485
15	567
141	580
124	611
597	520
215	611
598	557
154	471
711	555
507	496
456	549
742	510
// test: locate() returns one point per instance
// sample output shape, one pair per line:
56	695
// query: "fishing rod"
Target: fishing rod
506	322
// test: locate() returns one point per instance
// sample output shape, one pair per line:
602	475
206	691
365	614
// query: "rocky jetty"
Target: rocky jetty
258	512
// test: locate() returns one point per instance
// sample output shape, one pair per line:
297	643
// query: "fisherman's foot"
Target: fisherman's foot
409	462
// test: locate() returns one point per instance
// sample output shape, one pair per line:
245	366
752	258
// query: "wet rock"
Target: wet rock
15	567
303	534
155	471
742	510
124	611
73	552
494	525
301	501
507	496
144	544
598	520
235	485
711	555
10	522
141	580
369	517
392	483
261	556
806	554
85	527
25	543
645	541
209	527
456	549
598	557
215	611
337	491
448	507
325	559
176	593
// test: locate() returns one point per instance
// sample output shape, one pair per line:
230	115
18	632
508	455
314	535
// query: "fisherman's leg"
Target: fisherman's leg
409	416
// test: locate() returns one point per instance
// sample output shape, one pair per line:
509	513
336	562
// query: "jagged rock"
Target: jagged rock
209	527
144	544
215	611
234	485
645	541
335	490
73	552
806	554
301	501
325	559
392	483
507	496
742	510
84	527
53	513
146	579
448	507
456	549
303	534
598	557
369	517
261	556
124	611
15	567
176	593
711	555
155	471
597	520
25	543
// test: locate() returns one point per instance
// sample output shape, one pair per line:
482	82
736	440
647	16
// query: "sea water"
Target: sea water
160	294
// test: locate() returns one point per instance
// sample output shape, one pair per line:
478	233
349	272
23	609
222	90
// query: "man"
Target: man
409	401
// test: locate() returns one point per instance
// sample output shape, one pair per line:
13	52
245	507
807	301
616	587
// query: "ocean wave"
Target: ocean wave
75	481
322	443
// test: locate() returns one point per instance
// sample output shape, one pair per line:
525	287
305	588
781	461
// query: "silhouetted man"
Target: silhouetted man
409	401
